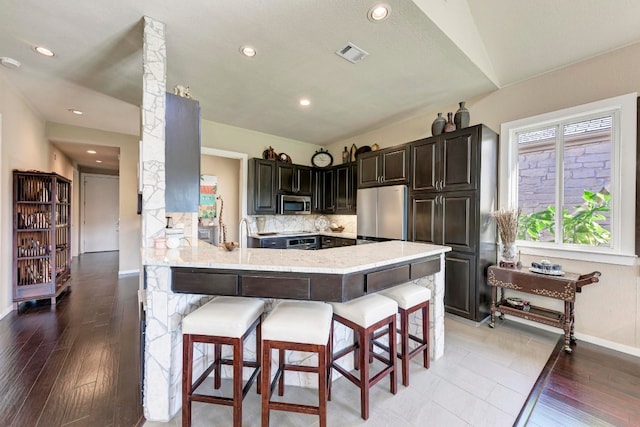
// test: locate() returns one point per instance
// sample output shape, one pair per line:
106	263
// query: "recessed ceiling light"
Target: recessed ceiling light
248	51
10	62
98	161
91	151
44	51
305	102
379	12
74	111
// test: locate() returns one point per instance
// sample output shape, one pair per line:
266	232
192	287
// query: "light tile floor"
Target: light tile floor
483	379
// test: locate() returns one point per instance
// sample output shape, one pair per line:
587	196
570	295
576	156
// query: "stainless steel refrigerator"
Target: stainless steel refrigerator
382	213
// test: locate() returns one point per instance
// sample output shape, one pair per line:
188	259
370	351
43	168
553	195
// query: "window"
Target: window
565	172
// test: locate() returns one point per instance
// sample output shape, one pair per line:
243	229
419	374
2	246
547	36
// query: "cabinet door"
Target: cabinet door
459	159
285	178
304	180
423	219
424	161
369	170
262	182
459	293
395	166
274	243
344	190
182	154
316	195
328	191
458	219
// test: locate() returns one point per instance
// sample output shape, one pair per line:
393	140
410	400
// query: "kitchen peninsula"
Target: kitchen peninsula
177	281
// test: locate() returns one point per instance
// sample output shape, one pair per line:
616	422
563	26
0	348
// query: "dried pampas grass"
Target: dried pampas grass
507	221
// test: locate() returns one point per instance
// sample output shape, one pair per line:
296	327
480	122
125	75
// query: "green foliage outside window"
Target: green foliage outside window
582	226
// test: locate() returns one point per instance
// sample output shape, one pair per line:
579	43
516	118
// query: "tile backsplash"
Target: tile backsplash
282	223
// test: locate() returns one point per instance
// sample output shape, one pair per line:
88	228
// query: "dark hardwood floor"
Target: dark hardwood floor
76	363
593	386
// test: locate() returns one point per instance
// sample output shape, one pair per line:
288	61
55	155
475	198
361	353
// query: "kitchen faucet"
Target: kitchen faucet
244	221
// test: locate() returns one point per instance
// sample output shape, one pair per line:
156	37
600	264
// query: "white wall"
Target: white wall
608	312
23	146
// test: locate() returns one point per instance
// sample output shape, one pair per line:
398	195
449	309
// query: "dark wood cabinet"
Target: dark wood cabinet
453	192
384	167
41	236
345	185
262	187
338	189
446	162
294	179
335	242
182	154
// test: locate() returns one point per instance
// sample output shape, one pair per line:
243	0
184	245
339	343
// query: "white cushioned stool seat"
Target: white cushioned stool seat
306	322
223	317
366	310
407	295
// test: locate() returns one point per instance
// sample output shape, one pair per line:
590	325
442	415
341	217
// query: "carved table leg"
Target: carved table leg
494	292
572	337
567	327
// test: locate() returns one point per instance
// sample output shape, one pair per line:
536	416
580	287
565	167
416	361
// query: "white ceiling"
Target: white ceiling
427	54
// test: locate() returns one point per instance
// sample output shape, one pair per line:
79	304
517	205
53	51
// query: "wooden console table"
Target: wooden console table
557	287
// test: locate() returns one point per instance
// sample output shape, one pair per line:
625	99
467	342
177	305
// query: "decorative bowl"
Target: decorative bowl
230	246
337	229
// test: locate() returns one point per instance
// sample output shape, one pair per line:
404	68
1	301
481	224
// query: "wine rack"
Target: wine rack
41	236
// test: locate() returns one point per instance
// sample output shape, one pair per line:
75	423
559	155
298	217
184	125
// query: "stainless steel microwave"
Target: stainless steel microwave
294	205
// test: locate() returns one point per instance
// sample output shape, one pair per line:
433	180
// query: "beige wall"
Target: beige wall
129	241
228	173
230	138
607	312
23	145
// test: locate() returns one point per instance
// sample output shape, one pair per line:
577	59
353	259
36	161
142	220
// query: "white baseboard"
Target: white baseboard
128	272
634	351
6	311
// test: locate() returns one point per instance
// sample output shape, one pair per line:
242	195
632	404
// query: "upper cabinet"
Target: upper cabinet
294	179
182	154
338	189
384	167
262	186
446	162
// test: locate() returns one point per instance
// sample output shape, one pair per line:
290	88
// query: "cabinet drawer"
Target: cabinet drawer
380	280
194	282
276	287
425	268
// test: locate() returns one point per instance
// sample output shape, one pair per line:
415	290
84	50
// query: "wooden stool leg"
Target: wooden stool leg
404	343
217	354
266	380
356	358
393	352
322	385
259	355
329	361
364	374
187	372
281	360
425	335
237	382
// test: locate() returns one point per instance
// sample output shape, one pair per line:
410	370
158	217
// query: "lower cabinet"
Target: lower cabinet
335	242
467	293
268	243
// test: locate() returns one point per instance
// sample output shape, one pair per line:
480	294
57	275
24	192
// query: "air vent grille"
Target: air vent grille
352	53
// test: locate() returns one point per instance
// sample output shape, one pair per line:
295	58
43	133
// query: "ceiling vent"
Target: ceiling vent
352	53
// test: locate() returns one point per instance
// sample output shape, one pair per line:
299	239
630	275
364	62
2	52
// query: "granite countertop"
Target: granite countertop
342	260
303	234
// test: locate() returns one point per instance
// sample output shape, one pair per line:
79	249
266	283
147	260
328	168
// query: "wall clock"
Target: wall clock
322	159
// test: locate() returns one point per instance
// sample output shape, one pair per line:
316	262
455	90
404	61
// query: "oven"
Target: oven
306	243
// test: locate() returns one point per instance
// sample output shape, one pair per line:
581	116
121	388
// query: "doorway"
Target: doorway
100	206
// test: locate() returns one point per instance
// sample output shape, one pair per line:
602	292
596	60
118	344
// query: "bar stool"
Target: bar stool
410	299
365	315
222	321
298	326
